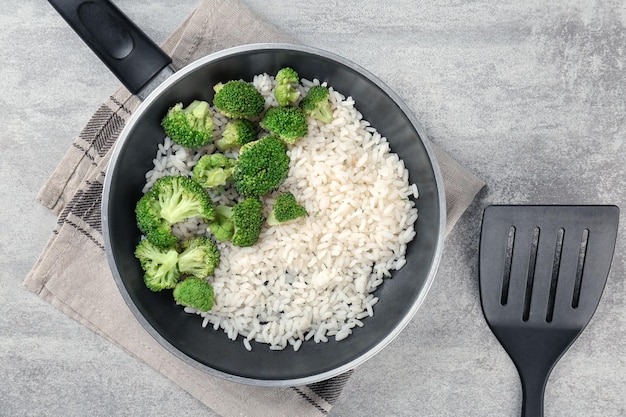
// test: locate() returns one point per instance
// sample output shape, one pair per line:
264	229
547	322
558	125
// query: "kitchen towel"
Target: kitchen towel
72	272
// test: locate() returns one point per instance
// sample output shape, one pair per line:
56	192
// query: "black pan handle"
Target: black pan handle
126	50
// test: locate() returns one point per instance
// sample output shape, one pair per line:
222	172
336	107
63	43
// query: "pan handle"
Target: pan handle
126	50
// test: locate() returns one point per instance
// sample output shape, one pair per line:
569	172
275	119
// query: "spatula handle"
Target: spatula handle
533	389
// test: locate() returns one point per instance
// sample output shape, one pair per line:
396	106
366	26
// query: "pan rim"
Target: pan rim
164	86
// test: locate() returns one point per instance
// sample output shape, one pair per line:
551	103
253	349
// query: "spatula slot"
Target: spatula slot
582	254
508	258
530	279
554	279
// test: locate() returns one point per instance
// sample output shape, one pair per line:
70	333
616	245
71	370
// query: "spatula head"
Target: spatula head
542	272
545	266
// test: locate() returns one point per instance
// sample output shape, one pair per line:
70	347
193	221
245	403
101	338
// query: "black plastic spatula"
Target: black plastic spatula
542	272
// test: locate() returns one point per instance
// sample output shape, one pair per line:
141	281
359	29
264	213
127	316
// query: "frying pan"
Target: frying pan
144	69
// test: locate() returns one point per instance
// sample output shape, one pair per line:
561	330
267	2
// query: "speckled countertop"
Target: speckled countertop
530	96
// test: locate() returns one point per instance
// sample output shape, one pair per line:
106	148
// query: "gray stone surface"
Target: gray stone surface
530	96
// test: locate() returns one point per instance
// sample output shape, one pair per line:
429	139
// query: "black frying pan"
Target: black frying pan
144	69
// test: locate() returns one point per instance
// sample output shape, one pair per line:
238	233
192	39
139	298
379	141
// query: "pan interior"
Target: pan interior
212	350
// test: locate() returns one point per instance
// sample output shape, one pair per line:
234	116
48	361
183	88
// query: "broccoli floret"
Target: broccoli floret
286	94
240	224
191	126
287	75
194	292
247	216
199	257
261	167
222	227
238	100
150	223
285	209
317	104
236	134
213	170
286	122
171	199
285	91
160	265
181	198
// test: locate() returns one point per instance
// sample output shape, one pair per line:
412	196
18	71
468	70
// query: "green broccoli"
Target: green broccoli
285	209
236	134
199	257
194	292
261	167
317	104
160	265
222	226
191	126
285	91
150	223
286	94
247	216
181	198
238	100
240	224
286	122
171	199
213	170
287	75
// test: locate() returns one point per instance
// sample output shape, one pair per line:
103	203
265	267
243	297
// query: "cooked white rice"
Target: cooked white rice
312	278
